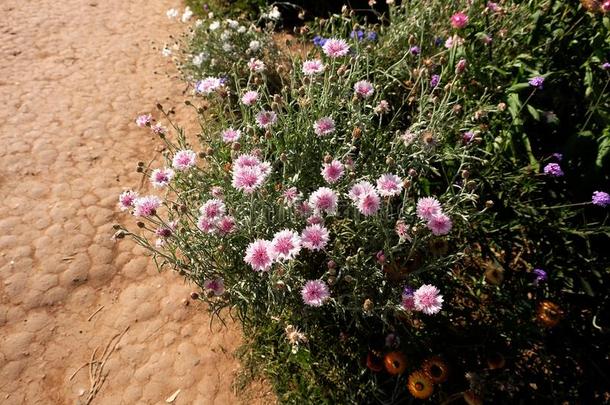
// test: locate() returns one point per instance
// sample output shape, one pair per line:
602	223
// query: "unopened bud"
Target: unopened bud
489	204
368	305
140	224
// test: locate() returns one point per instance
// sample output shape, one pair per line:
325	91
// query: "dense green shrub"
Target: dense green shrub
444	110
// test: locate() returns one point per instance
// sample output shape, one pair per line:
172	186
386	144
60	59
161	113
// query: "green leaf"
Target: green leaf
517	87
533	112
604	148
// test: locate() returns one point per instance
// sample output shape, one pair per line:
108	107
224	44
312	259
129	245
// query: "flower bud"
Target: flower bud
328	158
368	305
194	295
236	146
140	224
283	158
465	174
489	204
209	151
356	133
412	172
390	161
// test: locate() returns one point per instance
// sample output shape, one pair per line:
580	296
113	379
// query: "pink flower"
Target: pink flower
217	192
389	185
439	224
144	120
304	209
258	255
335	48
402	230
459	20
213	209
313	67
208	85
427	207
324	200
364	89
226	225
161	177
359	189
166	231
315	293
315	219
332	171
249	173
427	299
285	245
314	237
146	206
368	203
382	108
158	129
127	199
291	195
184	159
206	224
324	126
231	135
256	65
266	119
249	97
215	286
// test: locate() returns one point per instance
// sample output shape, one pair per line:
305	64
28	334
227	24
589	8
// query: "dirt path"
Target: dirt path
73	76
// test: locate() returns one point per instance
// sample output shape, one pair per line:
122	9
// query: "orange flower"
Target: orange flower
420	386
549	314
436	369
395	363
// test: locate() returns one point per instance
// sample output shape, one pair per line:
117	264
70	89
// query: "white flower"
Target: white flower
225	35
166	51
198	22
214	25
198	59
274	14
188	13
241	29
232	23
171	13
254	46
227	47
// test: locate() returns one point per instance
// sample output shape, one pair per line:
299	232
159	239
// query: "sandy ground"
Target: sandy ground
73	76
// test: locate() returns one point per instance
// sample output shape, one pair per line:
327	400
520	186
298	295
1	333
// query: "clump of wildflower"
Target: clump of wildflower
536	82
333	171
146	206
315	293
266	119
259	255
363	89
249	98
600	198
553	169
313	67
208	85
184	160
160	178
231	135
459	20
127	199
144	120
314	237
324	126
335	48
427	299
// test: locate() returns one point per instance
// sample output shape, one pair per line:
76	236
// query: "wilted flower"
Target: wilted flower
382	108
215	286
172	13
186	16
291	195
226	225
315	293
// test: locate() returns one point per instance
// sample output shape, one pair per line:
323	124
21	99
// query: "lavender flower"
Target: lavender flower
357	35
600	198
541	276
606	65
553	169
415	50
319	41
371	36
537	82
435	80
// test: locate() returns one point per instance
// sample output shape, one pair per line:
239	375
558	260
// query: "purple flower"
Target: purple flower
371	36
558	156
438	41
537	82
600	198
553	169
606	65
435	80
357	35
467	137
541	276
319	41
415	50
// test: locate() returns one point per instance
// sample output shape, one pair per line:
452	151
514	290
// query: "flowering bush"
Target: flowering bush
369	219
